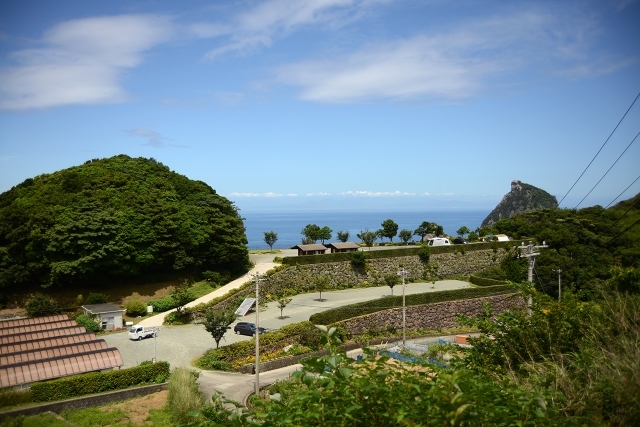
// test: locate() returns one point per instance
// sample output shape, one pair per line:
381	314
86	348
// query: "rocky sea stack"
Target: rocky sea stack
522	198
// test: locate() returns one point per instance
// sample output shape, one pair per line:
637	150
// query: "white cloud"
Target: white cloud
377	193
321	194
451	65
80	62
259	26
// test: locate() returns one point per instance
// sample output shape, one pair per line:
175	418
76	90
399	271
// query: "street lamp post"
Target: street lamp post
257	334
402	272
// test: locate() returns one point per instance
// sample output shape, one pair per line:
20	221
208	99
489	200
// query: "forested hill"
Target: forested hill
114	219
522	198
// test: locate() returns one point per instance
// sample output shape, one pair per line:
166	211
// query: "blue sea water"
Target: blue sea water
289	224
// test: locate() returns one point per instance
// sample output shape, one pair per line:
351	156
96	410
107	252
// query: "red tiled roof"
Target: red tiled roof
15	338
46	342
32	321
22	329
29	372
52	352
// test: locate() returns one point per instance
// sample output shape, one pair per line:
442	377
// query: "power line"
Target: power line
605	174
634	181
605	143
622	232
621	216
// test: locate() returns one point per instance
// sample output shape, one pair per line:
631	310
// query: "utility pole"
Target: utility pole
531	256
402	272
257	334
559	283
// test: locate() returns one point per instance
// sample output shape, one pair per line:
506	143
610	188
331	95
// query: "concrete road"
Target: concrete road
179	345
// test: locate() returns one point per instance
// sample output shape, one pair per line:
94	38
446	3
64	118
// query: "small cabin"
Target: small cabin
343	247
110	315
502	238
314	249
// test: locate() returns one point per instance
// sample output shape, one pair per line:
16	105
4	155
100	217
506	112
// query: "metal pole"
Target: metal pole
559	283
402	273
155	336
257	334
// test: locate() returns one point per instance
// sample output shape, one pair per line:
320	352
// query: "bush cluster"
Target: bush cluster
303	333
162	304
98	382
89	323
332	316
136	308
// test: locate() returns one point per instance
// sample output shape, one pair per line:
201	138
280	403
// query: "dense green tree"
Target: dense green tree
182	295
270	238
217	322
311	233
324	234
367	237
115	219
343	236
463	231
428	228
320	284
97	298
405	235
389	229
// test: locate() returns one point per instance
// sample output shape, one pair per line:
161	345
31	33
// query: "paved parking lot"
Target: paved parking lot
179	345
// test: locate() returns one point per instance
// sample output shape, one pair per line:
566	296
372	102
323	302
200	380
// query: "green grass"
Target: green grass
201	289
94	417
48	420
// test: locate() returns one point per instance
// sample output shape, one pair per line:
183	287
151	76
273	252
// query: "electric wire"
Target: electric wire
634	181
605	174
622	232
621	216
605	143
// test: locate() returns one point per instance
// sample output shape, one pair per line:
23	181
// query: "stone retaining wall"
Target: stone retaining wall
441	315
342	274
85	401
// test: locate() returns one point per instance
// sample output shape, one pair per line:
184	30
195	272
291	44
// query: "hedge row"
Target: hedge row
332	316
483	281
99	382
393	253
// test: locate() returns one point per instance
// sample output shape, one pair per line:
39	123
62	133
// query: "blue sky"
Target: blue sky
371	104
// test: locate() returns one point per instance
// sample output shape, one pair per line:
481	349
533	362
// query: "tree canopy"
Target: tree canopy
389	229
112	219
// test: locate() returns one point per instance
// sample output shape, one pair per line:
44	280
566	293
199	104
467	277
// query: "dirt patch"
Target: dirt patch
137	409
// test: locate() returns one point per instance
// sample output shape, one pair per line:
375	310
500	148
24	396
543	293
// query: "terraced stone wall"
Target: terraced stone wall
440	315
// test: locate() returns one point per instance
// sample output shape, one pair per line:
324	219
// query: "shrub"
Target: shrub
97	298
41	305
97	382
13	398
163	304
89	323
184	394
424	252
136	308
358	259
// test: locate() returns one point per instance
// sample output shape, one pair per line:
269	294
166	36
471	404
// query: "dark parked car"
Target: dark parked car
459	241
246	328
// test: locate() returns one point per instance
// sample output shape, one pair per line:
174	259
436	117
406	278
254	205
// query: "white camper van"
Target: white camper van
439	241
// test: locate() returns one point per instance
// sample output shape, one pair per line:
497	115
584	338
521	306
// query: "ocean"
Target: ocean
288	224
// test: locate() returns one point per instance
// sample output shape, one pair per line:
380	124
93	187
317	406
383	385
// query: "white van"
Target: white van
439	241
